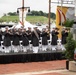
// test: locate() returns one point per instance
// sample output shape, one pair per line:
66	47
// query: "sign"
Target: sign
62	14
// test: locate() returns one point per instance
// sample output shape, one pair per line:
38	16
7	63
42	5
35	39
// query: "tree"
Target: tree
53	16
70	47
41	13
34	13
45	14
68	23
12	13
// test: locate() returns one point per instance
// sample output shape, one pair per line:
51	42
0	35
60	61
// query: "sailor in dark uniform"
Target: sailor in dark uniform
44	39
25	41
16	40
64	35
0	36
29	31
20	33
54	36
0	39
11	34
20	39
7	40
35	39
11	38
47	29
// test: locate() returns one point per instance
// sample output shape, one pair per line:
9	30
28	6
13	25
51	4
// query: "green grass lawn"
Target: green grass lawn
35	19
31	19
9	18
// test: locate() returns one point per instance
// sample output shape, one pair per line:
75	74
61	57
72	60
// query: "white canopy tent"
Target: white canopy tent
26	25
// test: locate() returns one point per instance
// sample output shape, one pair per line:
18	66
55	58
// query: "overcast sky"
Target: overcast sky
12	5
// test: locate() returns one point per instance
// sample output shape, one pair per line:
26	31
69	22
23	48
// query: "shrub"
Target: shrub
68	23
70	47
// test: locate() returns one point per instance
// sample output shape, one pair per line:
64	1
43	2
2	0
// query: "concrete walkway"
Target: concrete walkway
52	72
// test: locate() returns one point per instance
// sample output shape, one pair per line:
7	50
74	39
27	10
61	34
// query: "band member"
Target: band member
25	40
11	38
7	40
64	35
54	36
20	33
47	29
0	36
0	39
29	33
44	39
16	40
11	34
35	39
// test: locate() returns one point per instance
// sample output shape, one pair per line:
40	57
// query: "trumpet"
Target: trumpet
17	33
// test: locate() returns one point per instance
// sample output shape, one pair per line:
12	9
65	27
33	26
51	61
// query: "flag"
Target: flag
24	15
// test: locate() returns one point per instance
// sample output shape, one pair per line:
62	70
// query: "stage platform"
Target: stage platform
30	57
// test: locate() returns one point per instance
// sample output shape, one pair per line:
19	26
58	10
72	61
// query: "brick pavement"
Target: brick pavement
32	67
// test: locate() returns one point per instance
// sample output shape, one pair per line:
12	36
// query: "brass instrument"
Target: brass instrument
17	32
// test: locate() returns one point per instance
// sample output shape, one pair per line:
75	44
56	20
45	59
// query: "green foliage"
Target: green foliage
12	14
53	16
68	23
36	13
41	13
75	43
70	47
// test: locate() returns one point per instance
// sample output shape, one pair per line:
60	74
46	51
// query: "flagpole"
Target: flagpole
61	18
23	13
49	14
